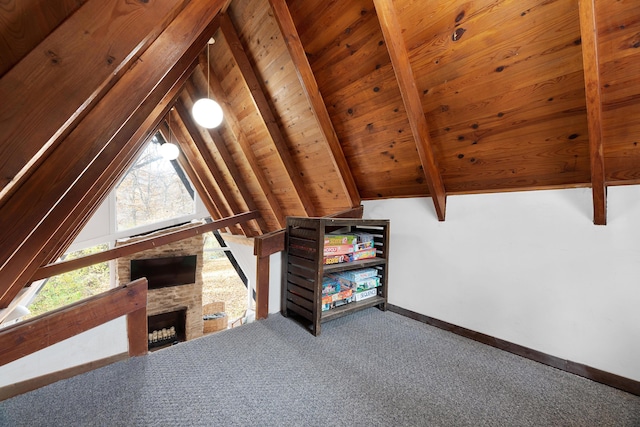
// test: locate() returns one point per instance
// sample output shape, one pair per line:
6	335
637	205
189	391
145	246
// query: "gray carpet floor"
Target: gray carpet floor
371	368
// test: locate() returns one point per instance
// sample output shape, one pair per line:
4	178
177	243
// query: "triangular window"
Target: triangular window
153	190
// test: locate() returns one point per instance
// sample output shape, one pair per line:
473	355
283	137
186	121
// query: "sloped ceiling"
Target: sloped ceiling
326	103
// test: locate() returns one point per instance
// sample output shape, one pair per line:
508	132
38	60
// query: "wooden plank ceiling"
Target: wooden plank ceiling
326	103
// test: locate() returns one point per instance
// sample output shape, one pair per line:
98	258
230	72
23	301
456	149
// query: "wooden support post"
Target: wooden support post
262	287
138	332
264	247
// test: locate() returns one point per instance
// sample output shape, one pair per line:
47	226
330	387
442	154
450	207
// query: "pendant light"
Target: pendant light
207	112
169	150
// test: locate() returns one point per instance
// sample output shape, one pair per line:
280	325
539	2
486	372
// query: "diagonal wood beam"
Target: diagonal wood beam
245	147
141	245
77	66
94	144
262	105
591	66
411	99
185	115
312	93
205	167
83	211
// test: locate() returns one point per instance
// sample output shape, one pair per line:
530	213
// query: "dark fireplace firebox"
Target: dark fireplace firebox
167	329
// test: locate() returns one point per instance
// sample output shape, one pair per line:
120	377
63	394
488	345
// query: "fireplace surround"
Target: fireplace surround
169	299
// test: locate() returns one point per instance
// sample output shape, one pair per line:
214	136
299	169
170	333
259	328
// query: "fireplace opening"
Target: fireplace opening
167	329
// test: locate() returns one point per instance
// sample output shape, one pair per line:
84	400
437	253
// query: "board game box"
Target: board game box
369	293
354	256
346	249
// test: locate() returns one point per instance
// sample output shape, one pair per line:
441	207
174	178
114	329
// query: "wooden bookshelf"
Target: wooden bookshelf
304	268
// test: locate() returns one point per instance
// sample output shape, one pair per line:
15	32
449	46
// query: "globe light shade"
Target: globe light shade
207	113
169	151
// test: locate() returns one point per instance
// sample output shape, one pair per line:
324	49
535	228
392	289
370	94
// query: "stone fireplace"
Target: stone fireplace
165	302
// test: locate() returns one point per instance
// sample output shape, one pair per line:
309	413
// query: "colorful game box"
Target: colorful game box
360	285
359	274
369	293
346	249
330	285
329	299
340	239
354	256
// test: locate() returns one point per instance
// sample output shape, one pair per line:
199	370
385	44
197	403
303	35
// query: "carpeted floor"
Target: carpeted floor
372	368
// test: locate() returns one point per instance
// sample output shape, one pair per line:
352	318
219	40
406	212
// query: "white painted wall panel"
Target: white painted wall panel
525	267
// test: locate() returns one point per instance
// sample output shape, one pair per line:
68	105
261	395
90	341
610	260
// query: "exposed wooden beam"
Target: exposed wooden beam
33	121
262	105
141	245
183	111
591	66
205	167
31	335
94	144
28	28
245	147
85	208
312	93
412	103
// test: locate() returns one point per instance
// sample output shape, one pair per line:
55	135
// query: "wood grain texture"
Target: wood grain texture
261	104
208	172
31	335
619	60
403	71
78	62
248	164
234	191
314	97
125	250
96	142
25	23
216	137
137	332
590	59
255	134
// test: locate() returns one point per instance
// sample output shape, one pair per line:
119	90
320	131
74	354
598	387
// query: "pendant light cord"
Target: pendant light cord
208	68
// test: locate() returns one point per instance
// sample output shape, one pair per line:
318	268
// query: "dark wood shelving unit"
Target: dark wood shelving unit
304	267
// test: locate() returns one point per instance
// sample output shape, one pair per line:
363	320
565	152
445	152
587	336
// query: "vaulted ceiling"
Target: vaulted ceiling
326	103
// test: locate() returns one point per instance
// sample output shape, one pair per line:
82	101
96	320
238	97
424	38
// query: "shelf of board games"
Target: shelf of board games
304	267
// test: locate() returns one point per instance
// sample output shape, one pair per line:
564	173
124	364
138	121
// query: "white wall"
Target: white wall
98	343
248	262
529	268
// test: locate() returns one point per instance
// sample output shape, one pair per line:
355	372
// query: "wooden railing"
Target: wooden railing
35	334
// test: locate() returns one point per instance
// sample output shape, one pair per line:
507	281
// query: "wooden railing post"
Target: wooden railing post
137	332
264	246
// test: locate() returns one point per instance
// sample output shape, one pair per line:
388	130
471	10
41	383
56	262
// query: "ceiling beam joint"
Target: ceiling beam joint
411	98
